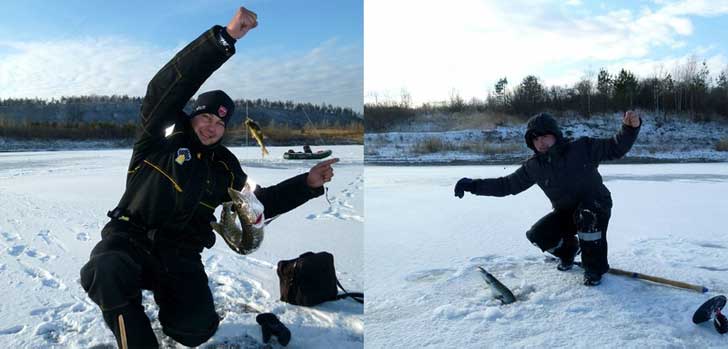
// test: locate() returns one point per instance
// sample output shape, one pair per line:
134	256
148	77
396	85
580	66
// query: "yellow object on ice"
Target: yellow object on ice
257	133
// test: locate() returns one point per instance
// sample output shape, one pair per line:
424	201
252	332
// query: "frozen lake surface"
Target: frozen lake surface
422	247
53	206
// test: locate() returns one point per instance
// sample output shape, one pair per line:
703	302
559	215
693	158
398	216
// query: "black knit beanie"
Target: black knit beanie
216	103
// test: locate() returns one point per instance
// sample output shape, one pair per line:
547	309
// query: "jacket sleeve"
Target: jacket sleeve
286	195
603	149
173	86
512	184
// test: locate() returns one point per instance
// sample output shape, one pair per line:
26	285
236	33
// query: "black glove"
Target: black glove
270	325
463	185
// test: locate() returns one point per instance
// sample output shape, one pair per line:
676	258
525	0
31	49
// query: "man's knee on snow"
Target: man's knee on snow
110	279
538	240
193	329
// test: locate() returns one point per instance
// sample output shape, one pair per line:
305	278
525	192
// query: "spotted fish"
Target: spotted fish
241	221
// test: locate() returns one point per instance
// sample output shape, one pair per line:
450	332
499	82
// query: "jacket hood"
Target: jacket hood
540	124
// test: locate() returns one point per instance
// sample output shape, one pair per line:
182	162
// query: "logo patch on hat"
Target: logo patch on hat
183	155
222	111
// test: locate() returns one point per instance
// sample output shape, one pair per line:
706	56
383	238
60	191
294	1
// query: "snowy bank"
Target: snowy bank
671	140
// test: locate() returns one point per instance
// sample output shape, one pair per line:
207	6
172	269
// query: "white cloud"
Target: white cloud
330	73
649	67
429	49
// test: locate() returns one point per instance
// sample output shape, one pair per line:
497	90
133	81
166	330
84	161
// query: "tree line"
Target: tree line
687	89
121	109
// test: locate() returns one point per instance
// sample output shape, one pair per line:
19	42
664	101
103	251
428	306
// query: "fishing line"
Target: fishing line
326	191
313	126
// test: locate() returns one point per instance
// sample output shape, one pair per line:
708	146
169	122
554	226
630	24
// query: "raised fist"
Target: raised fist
243	21
631	119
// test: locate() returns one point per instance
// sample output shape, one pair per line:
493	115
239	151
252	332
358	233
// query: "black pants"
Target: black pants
588	222
120	268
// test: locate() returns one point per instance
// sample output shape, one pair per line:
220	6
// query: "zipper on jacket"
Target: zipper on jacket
176	186
207	205
134	170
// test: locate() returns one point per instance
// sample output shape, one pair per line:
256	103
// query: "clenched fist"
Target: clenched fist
243	21
631	119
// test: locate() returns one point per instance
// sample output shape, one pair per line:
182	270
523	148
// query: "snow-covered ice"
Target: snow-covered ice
53	206
422	247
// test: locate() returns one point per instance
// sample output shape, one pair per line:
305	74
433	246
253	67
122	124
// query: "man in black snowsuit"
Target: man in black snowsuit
174	184
567	172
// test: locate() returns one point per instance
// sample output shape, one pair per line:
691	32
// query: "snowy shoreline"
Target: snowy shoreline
635	161
9	145
661	140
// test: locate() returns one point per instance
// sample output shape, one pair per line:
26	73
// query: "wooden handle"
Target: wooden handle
658	279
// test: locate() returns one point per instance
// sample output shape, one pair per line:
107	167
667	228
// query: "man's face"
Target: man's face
542	143
208	127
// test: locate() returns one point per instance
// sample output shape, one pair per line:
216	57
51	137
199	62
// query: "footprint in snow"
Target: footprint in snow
712	268
64	322
46	278
429	275
12	330
10	237
338	210
16	250
708	244
50	239
83	236
238	342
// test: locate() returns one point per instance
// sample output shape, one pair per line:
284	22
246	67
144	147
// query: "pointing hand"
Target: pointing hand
321	173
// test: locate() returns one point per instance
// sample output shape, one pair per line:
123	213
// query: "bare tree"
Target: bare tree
405	98
585	88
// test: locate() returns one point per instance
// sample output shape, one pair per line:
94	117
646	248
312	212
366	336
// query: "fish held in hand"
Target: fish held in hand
241	221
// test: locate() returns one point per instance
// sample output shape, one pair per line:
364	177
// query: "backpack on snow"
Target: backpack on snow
311	279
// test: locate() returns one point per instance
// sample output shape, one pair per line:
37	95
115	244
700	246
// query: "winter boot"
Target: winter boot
592	279
270	325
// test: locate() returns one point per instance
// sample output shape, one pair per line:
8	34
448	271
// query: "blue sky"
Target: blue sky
305	51
432	50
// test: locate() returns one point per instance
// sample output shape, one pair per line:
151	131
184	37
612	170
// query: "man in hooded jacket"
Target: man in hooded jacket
567	172
174	183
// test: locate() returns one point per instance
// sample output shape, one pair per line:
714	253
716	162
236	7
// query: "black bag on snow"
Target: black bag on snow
311	279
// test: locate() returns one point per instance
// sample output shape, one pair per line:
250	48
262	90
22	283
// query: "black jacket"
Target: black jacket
568	172
175	183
